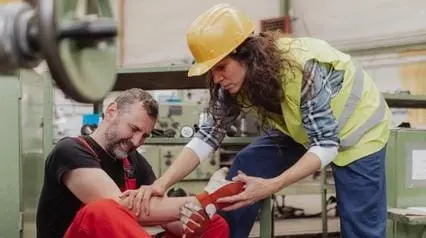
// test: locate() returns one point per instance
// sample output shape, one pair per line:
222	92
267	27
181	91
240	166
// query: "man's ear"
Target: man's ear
111	111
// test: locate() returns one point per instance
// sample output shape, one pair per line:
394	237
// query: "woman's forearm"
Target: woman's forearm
307	165
184	164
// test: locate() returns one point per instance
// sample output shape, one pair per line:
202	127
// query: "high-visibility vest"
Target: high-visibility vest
363	116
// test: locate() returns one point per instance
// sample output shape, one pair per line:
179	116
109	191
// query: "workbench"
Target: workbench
408	223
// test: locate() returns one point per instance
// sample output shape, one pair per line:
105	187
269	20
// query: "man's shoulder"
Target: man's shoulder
66	142
68	147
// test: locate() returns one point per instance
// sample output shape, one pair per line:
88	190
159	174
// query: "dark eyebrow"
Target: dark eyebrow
134	126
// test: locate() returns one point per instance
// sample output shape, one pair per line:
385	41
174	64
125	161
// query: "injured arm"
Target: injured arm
91	184
163	209
167	209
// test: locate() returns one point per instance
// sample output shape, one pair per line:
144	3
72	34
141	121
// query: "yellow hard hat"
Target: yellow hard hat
215	34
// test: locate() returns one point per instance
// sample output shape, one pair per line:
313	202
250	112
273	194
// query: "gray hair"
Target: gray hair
134	95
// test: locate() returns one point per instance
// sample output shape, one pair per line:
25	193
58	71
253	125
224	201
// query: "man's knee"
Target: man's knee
101	206
105	209
105	218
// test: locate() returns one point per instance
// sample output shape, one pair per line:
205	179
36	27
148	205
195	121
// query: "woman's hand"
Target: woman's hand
255	190
140	198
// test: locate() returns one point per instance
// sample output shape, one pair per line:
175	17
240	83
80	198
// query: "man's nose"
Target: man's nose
136	140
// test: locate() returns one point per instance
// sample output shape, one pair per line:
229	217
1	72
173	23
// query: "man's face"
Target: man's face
127	130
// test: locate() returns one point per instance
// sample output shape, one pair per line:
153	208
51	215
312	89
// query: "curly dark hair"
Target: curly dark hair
261	90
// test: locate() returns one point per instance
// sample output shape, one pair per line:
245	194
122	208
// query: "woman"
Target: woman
321	109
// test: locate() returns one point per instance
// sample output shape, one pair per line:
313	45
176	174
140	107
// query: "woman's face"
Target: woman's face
230	74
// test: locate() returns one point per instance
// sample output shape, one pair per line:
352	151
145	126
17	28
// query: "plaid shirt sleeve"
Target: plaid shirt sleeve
213	133
321	83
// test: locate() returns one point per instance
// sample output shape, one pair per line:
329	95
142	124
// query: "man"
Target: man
96	169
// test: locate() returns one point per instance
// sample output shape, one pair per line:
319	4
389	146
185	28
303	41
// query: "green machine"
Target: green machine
406	183
25	139
76	40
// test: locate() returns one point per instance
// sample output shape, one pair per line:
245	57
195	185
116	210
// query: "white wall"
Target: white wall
362	23
155	30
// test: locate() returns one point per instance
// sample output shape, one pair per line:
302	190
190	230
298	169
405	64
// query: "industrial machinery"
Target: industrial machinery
161	157
75	38
406	183
26	139
178	119
184	119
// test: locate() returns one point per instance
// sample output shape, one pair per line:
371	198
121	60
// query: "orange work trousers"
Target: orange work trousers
106	218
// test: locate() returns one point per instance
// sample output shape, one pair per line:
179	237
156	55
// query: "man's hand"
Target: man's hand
218	187
141	197
194	219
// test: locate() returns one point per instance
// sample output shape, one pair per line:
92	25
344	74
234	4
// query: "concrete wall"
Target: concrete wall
362	23
155	30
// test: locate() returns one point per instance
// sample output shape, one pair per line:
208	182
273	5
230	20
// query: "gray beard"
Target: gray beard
118	153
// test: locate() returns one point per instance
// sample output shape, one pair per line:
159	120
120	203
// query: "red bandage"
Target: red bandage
208	201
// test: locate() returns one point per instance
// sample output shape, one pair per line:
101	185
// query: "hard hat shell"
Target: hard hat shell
216	33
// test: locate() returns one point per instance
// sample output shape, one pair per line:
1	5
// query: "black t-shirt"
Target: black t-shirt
58	205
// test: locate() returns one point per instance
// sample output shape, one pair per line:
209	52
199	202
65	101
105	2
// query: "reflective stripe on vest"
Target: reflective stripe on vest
350	107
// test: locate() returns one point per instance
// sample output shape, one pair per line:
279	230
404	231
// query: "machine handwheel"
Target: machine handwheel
77	40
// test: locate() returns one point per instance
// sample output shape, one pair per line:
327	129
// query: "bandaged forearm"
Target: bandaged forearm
325	154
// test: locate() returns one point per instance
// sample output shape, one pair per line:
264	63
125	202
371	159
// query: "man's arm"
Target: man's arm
78	169
90	184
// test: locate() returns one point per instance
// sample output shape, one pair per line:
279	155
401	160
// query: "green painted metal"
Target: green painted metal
402	230
267	219
22	146
407	226
31	137
47	114
285	6
405	100
10	155
402	190
91	63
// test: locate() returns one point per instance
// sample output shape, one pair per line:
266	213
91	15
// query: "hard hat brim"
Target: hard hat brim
198	69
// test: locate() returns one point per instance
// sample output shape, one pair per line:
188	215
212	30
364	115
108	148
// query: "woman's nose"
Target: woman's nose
217	78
